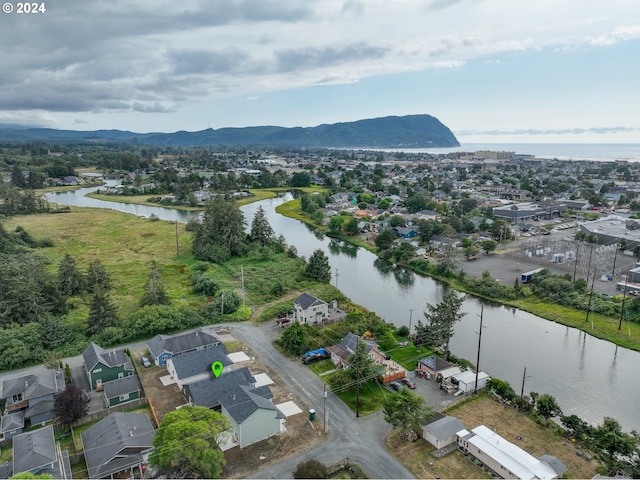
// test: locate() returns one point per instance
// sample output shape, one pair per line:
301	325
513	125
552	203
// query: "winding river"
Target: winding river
588	377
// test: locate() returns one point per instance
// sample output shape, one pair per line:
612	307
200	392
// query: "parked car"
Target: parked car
395	386
409	383
145	362
281	322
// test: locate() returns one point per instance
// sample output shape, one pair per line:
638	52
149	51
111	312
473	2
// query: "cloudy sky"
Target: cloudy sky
491	70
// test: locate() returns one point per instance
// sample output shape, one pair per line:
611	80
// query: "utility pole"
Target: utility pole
177	243
624	299
410	316
357	376
244	301
479	343
593	280
222	304
325	408
615	257
575	266
337	275
524	376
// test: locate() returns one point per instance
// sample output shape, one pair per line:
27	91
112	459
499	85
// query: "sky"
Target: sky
564	71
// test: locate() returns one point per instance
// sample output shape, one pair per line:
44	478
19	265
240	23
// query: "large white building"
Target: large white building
507	459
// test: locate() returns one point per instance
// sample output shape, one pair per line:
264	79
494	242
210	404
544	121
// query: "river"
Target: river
588	377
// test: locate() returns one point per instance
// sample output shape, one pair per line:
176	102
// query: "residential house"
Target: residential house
506	459
253	415
163	347
120	442
437	369
35	452
34	394
105	365
309	309
196	365
441	431
341	353
122	390
11	425
406	232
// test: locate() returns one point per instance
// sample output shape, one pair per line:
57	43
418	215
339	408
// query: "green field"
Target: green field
125	244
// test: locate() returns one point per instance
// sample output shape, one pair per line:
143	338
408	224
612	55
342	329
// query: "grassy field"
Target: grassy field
506	422
125	244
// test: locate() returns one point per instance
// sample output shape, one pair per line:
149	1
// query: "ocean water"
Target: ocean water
605	152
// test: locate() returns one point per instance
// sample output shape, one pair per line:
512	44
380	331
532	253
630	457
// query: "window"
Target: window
123	397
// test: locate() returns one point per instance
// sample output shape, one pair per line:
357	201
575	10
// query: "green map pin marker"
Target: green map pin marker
216	368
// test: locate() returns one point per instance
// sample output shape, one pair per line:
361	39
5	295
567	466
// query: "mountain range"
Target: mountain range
410	131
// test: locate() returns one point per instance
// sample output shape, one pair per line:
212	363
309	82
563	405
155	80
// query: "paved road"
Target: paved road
359	439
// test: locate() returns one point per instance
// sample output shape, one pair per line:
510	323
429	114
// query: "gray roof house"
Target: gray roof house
442	431
11	424
35	452
120	442
196	365
309	309
122	390
253	415
105	365
340	353
163	347
35	394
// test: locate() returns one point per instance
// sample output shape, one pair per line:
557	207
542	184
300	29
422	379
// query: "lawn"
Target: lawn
371	395
322	366
408	355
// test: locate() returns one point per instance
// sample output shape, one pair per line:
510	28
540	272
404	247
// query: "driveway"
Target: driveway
360	439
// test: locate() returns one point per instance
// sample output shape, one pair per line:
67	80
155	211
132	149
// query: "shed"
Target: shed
466	381
442	432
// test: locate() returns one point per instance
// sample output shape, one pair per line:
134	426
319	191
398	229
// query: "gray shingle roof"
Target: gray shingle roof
181	343
95	354
34	450
36	408
11	421
207	393
235	391
199	361
123	385
305	301
33	386
126	434
242	401
435	363
444	427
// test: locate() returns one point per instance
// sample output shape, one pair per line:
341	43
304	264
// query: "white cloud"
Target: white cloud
161	56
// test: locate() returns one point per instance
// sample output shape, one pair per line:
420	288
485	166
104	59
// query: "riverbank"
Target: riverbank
599	326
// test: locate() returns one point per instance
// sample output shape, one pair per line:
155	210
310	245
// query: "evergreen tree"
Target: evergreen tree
221	233
98	277
102	313
154	293
261	231
406	409
441	319
70	279
318	267
361	366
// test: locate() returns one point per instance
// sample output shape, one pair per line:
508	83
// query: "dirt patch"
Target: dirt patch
162	399
505	421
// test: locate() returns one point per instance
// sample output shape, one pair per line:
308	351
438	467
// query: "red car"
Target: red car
283	321
409	383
